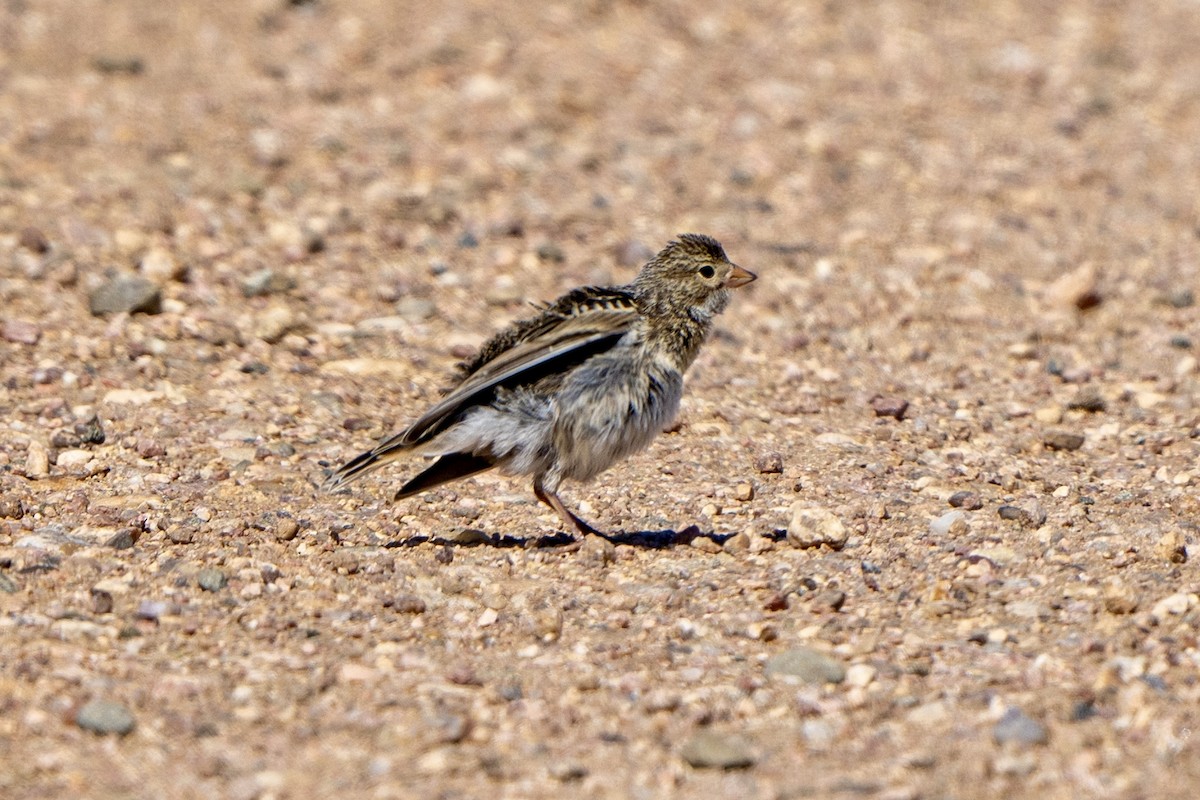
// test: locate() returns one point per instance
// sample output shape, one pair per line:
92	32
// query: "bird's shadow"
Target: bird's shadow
646	540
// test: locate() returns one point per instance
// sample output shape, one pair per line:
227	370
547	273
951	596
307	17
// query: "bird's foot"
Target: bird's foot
596	547
593	546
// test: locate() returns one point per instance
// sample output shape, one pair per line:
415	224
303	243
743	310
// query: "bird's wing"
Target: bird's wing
566	333
563	335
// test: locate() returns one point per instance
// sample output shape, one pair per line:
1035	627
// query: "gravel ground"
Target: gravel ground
928	526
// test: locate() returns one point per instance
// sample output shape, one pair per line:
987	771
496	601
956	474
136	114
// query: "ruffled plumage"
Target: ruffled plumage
564	394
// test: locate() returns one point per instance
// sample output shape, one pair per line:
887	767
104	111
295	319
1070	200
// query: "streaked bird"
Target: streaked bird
563	395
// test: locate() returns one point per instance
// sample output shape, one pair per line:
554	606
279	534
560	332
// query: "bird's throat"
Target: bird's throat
677	339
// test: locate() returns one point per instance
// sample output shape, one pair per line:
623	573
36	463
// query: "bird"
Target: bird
588	380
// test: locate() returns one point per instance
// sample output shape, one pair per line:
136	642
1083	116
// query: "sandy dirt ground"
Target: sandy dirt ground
927	527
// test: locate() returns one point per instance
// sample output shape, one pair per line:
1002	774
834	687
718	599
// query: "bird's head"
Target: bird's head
692	276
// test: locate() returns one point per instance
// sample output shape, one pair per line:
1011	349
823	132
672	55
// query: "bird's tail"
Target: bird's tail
449	467
357	467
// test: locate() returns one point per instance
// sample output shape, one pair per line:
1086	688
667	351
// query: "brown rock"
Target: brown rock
1119	598
1030	515
893	407
20	332
34	240
1170	547
1078	289
286	529
1063	440
966	500
11	507
830	599
408	604
769	463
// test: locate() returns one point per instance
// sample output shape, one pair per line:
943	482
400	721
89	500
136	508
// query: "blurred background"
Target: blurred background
903	143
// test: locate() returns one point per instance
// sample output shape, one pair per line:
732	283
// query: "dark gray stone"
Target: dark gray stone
104	717
1018	728
131	294
211	580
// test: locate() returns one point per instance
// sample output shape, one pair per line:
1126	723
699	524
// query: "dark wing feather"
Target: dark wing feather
577	302
560	347
566	333
445	469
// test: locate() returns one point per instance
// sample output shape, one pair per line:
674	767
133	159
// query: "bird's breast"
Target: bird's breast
611	408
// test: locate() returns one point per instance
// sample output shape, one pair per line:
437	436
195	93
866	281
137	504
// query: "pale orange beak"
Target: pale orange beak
739	277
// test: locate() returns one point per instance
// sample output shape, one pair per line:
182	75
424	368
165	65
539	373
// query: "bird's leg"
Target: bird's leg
551	499
597	546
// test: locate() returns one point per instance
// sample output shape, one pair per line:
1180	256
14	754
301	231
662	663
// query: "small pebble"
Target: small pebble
37	460
119	65
269	147
1170	547
34	240
1119	599
1018	728
860	675
1078	288
181	534
832	599
463	675
415	309
807	665
105	716
967	500
1177	298
286	529
952	522
72	459
102	601
265	282
813	527
1063	440
161	266
122	540
893	407
709	749
769	463
743	492
1088	399
129	294
408	604
1051	415
275	323
1173	605
551	252
11	507
153	609
211	579
90	431
1030	515
738	543
148	448
465	537
20	332
568	771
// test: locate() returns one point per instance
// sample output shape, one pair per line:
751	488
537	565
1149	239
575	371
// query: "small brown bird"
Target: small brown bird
565	394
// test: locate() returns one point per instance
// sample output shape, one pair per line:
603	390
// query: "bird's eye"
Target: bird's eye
707	272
